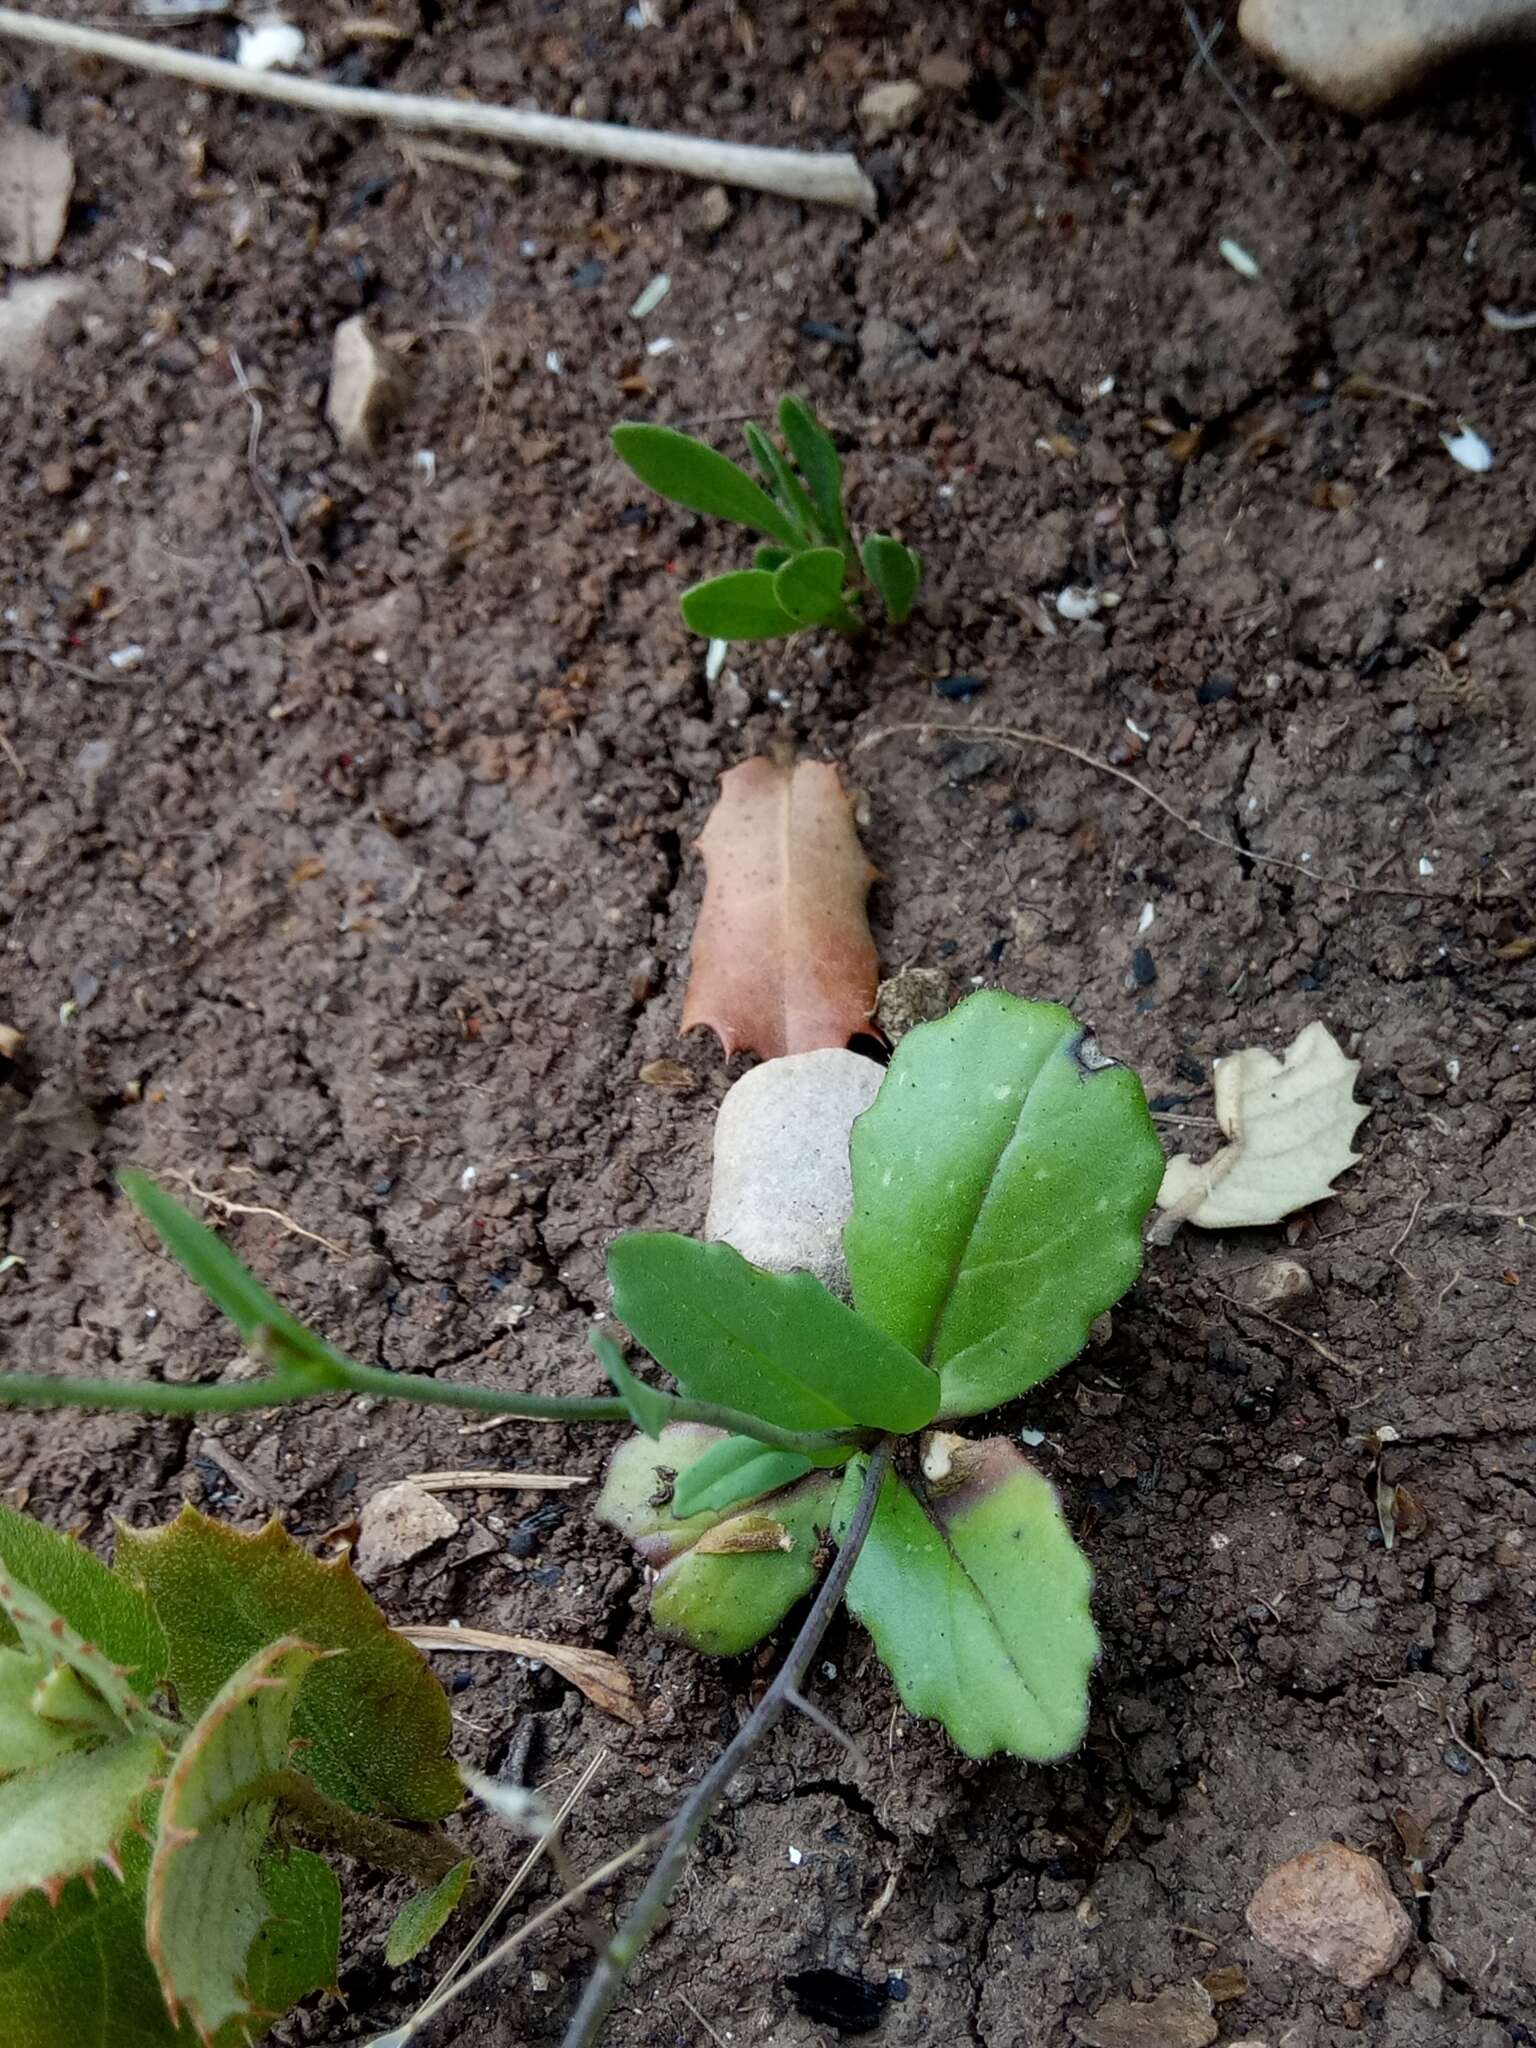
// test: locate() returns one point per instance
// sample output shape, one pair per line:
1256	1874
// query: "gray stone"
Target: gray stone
1363	55
782	1189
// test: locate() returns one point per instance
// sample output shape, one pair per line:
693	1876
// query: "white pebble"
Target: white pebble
1468	449
796	1856
1076	602
1148	912
270	45
553	364
126	657
1235	254
651	297
661	346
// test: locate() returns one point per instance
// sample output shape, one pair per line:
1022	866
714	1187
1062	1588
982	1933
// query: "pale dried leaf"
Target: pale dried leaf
37	176
1178	2017
783	960
1289	1122
367	387
398	1524
602	1678
491	1479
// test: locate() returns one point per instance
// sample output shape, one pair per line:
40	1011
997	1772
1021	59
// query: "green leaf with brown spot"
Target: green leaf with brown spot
723	1599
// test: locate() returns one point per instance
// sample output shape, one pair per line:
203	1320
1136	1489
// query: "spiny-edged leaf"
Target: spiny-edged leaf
205	1901
281	1339
978	1603
734	1470
895	572
63	1698
1000	1180
810	585
66	1818
376	1722
639	1493
786	488
741	605
724	1600
820	464
776	1344
295	1952
783	960
94	1601
47	1635
770	558
691	474
25	1738
420	1919
648	1410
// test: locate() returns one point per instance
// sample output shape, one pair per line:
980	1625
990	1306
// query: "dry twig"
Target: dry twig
231	1208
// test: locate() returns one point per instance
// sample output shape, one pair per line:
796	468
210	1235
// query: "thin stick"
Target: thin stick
231	1208
418	153
1290	1330
268	499
489	1481
1495	1777
35	651
604	1984
1015	736
11	755
820	179
1205	44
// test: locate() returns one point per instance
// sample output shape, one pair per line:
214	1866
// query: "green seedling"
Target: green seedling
809	572
1000	1182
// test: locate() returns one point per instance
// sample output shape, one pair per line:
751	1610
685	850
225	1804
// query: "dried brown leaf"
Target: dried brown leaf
602	1678
37	176
783	960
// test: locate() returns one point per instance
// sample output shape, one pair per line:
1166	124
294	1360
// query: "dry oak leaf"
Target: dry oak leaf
783	960
1289	1122
37	176
602	1678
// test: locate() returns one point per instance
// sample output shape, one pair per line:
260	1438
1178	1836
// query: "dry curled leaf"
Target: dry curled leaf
1289	1123
602	1678
783	960
37	176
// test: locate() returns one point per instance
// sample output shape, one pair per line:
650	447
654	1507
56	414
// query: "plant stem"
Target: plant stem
427	1856
604	1984
151	1397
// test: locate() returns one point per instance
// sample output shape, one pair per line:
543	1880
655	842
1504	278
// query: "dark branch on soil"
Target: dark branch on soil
607	1979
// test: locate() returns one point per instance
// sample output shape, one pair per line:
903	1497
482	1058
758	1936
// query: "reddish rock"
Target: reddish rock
1334	1909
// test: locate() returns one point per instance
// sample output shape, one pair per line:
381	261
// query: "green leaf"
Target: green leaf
26	1738
734	1470
74	1583
279	1338
788	491
639	1493
296	1951
693	475
820	464
376	1721
205	1903
775	1344
895	572
721	1599
46	1634
63	1698
648	1410
1000	1180
810	587
770	558
979	1605
66	1818
738	606
420	1919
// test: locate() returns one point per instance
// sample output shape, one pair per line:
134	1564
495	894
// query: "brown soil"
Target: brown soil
348	906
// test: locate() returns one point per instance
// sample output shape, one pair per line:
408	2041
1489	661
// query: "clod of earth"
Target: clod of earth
1179	2017
782	1189
1332	1908
1363	56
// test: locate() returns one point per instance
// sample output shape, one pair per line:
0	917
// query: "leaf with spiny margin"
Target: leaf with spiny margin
66	1818
648	1410
978	1600
99	1605
205	1903
296	1951
25	1738
376	1722
45	1634
1000	1182
723	1600
733	1471
421	1919
63	1698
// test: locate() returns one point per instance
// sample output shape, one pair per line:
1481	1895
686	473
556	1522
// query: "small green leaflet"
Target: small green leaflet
737	1469
639	1496
741	605
722	1600
693	475
648	1410
781	480
810	586
1000	1181
71	1580
64	1818
295	1951
279	1338
820	464
776	1344
895	572
423	1917
978	1605
26	1738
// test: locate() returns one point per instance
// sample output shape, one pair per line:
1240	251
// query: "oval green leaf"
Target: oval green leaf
978	1604
741	605
733	1471
1000	1181
820	464
786	487
423	1917
722	1601
776	1344
895	572
694	475
810	585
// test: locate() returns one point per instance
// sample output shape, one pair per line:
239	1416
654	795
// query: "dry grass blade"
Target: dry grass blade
490	1482
602	1678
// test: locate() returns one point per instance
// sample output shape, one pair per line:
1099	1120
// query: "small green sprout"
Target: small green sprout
805	573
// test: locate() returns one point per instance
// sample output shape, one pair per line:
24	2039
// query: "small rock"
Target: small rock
670	1076
950	74
958	689
914	996
399	1524
782	1187
1363	56
886	108
37	176
1427	1984
1179	2017
57	479
367	387
1273	1284
33	319
1332	1908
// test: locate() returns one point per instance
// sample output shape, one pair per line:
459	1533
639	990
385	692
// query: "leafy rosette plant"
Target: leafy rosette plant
1000	1182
